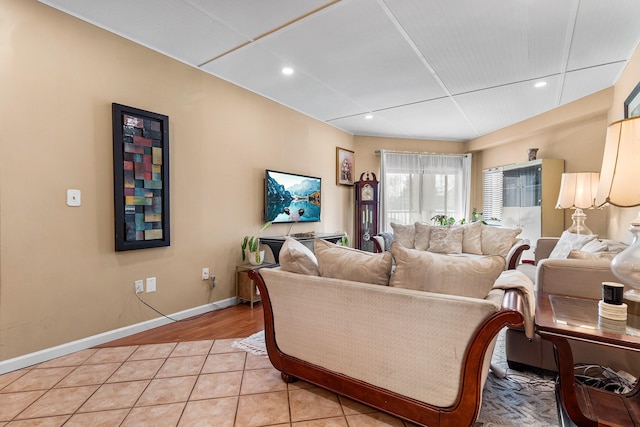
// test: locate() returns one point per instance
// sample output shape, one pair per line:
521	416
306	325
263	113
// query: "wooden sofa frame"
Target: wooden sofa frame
463	412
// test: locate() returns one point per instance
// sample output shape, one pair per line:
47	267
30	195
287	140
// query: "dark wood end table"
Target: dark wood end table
559	318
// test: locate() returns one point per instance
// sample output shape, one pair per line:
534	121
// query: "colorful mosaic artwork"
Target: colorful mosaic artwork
142	166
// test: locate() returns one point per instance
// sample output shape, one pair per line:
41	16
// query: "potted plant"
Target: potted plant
251	244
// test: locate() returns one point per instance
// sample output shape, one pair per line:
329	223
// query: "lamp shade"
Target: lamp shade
621	165
578	190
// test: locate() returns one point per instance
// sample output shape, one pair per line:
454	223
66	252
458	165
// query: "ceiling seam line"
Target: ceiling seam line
424	61
567	53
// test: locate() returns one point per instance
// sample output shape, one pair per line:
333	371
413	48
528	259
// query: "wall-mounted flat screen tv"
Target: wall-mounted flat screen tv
291	198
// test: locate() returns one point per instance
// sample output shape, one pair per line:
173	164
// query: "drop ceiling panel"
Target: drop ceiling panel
355	49
478	44
167	26
589	80
492	109
439	118
258	70
254	18
604	32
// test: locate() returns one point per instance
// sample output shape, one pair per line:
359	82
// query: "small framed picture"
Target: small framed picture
345	166
632	103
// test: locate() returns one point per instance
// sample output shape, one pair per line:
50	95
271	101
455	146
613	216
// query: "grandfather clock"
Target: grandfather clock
367	202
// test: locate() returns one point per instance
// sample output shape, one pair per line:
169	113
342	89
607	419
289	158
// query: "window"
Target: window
492	187
417	186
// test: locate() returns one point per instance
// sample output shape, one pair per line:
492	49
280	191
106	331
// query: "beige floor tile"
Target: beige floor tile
11	404
351	407
257	362
374	419
61	401
262	409
10	377
210	413
181	366
221	384
224	362
262	381
136	370
324	422
38	379
297	385
88	375
224	346
154	416
115	396
73	359
112	354
153	351
313	403
192	348
167	390
40	422
98	419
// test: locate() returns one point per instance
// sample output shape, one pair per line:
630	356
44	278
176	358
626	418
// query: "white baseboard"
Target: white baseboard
92	341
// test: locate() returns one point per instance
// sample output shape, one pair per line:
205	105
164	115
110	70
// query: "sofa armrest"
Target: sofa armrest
544	247
574	277
515	253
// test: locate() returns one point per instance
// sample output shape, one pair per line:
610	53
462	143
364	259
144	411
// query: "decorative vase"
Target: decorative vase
252	258
533	153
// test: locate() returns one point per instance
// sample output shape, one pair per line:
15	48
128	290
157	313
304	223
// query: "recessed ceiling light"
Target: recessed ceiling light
369	116
540	84
287	71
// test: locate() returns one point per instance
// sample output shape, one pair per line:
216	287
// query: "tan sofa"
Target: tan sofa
573	277
421	356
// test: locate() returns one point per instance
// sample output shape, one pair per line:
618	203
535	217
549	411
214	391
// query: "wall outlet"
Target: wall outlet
139	286
151	284
205	273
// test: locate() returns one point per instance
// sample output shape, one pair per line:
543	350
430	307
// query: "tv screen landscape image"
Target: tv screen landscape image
291	197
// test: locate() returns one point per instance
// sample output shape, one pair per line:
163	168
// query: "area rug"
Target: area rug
519	399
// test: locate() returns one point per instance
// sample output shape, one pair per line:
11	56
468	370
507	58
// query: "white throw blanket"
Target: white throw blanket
513	279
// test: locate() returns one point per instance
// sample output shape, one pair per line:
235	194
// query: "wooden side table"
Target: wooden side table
246	289
559	318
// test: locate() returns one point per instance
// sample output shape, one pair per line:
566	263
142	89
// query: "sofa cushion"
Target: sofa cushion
404	234
423	236
472	238
569	241
424	271
297	258
581	254
340	262
498	240
446	239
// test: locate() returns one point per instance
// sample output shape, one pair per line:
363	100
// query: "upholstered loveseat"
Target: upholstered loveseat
473	239
340	320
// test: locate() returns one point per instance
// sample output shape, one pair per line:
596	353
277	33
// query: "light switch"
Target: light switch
73	197
151	284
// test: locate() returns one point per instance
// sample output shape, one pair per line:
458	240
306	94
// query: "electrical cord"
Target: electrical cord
603	378
217	307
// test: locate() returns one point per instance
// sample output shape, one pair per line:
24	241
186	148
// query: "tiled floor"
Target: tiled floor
199	383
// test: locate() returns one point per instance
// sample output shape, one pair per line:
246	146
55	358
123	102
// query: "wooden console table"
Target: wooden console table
559	318
275	242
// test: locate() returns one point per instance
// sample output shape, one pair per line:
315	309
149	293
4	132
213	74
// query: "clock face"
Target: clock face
367	192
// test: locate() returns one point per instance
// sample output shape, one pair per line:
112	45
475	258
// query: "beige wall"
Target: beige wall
60	279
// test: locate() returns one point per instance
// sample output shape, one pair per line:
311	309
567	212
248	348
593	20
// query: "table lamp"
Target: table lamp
578	191
619	186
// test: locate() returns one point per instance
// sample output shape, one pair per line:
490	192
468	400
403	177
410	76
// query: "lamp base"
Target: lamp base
579	226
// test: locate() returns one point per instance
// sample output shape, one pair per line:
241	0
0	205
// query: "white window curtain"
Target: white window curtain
492	188
417	186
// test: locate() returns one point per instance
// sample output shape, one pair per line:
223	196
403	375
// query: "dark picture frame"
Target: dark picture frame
345	166
140	178
632	103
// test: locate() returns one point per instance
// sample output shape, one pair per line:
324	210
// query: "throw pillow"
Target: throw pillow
472	238
595	246
297	258
423	233
498	240
425	271
580	254
404	234
570	241
341	262
445	239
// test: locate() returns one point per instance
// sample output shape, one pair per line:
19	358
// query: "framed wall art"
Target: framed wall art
345	166
141	178
632	103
